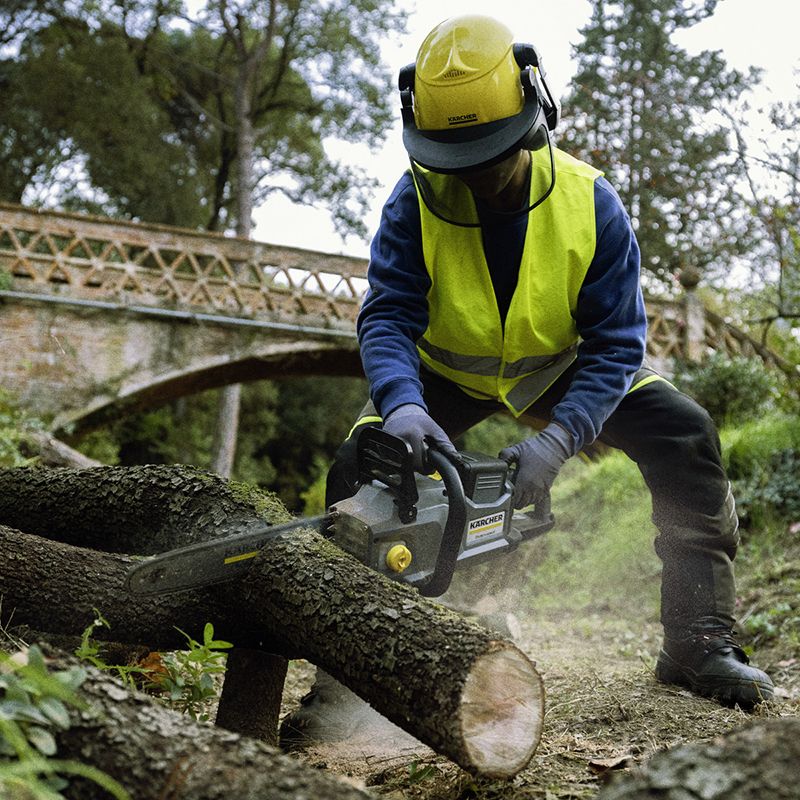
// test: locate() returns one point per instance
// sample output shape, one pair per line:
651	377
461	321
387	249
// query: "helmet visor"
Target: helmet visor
456	198
464	149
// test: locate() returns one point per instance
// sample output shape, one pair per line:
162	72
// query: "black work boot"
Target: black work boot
710	662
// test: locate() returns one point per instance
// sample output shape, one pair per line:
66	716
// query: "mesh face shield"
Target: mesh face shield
448	197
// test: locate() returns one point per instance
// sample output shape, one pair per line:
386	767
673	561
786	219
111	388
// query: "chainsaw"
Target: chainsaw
413	528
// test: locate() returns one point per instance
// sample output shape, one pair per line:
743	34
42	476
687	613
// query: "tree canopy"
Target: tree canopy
639	108
131	108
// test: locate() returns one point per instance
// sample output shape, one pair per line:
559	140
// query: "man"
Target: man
505	277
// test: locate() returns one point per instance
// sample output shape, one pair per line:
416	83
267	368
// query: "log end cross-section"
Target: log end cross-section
502	708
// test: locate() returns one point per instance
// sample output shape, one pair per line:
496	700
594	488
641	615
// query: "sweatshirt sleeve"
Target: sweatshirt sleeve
394	313
611	321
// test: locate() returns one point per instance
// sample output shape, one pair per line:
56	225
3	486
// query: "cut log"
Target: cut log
449	683
156	753
759	760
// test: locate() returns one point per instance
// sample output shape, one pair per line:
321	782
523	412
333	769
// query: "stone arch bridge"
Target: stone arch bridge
100	317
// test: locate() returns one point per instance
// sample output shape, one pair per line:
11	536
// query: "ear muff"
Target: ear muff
534	80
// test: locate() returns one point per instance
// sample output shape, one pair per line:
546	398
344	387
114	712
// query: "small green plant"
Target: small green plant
183	680
6	280
771	491
418	773
33	707
188	680
763	462
91	651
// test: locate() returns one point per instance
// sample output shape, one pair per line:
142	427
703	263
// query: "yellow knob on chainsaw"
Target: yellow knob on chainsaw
398	559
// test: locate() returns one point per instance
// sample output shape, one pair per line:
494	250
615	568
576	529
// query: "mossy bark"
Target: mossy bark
134	510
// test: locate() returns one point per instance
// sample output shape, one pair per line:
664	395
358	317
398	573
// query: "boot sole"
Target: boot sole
728	691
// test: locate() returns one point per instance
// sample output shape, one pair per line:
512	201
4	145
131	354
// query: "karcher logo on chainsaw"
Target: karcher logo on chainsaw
485	527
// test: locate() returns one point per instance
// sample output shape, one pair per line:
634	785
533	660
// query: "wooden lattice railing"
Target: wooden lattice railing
143	265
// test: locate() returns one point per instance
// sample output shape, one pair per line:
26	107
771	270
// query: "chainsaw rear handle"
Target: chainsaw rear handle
442	575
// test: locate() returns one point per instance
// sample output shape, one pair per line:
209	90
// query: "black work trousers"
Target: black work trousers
676	447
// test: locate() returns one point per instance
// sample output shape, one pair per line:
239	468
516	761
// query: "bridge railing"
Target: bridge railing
91	258
144	265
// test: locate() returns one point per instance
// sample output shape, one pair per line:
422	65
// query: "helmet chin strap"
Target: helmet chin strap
428	197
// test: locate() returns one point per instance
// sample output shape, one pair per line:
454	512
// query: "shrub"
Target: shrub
14	424
763	461
732	389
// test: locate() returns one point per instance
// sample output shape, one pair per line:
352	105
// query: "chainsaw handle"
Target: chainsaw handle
439	580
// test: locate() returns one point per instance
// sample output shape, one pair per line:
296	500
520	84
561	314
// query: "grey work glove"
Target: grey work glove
413	424
538	461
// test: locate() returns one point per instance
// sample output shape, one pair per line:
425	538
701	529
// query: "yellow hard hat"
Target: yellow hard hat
472	97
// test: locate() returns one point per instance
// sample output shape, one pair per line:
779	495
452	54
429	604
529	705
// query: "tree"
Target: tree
143	100
770	166
638	108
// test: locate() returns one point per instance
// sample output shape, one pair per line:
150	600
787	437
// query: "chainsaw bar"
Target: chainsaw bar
207	563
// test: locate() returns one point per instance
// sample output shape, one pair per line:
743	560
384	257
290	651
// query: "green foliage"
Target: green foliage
184	680
732	389
316	414
313	498
767	624
14	423
288	431
188	684
6	280
91	651
773	490
493	434
763	461
639	108
101	446
33	708
127	113
419	773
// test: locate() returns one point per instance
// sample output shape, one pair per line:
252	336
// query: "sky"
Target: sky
762	34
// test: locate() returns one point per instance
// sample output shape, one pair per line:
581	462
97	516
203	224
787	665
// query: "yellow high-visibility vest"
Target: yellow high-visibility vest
465	340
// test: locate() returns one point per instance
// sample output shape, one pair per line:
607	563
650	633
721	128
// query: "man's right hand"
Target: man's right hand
414	425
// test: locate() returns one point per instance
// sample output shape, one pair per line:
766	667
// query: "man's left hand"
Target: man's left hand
538	461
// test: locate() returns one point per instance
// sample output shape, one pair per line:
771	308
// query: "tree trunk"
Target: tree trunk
758	761
230	399
227	430
449	683
135	510
157	753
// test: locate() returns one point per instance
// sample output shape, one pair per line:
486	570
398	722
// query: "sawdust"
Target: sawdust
604	712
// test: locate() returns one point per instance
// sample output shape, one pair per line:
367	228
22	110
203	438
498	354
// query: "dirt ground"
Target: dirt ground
604	712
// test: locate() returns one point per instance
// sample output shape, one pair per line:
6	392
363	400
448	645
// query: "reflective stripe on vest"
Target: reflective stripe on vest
465	340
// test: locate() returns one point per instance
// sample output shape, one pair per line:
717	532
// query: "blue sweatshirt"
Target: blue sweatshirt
610	315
